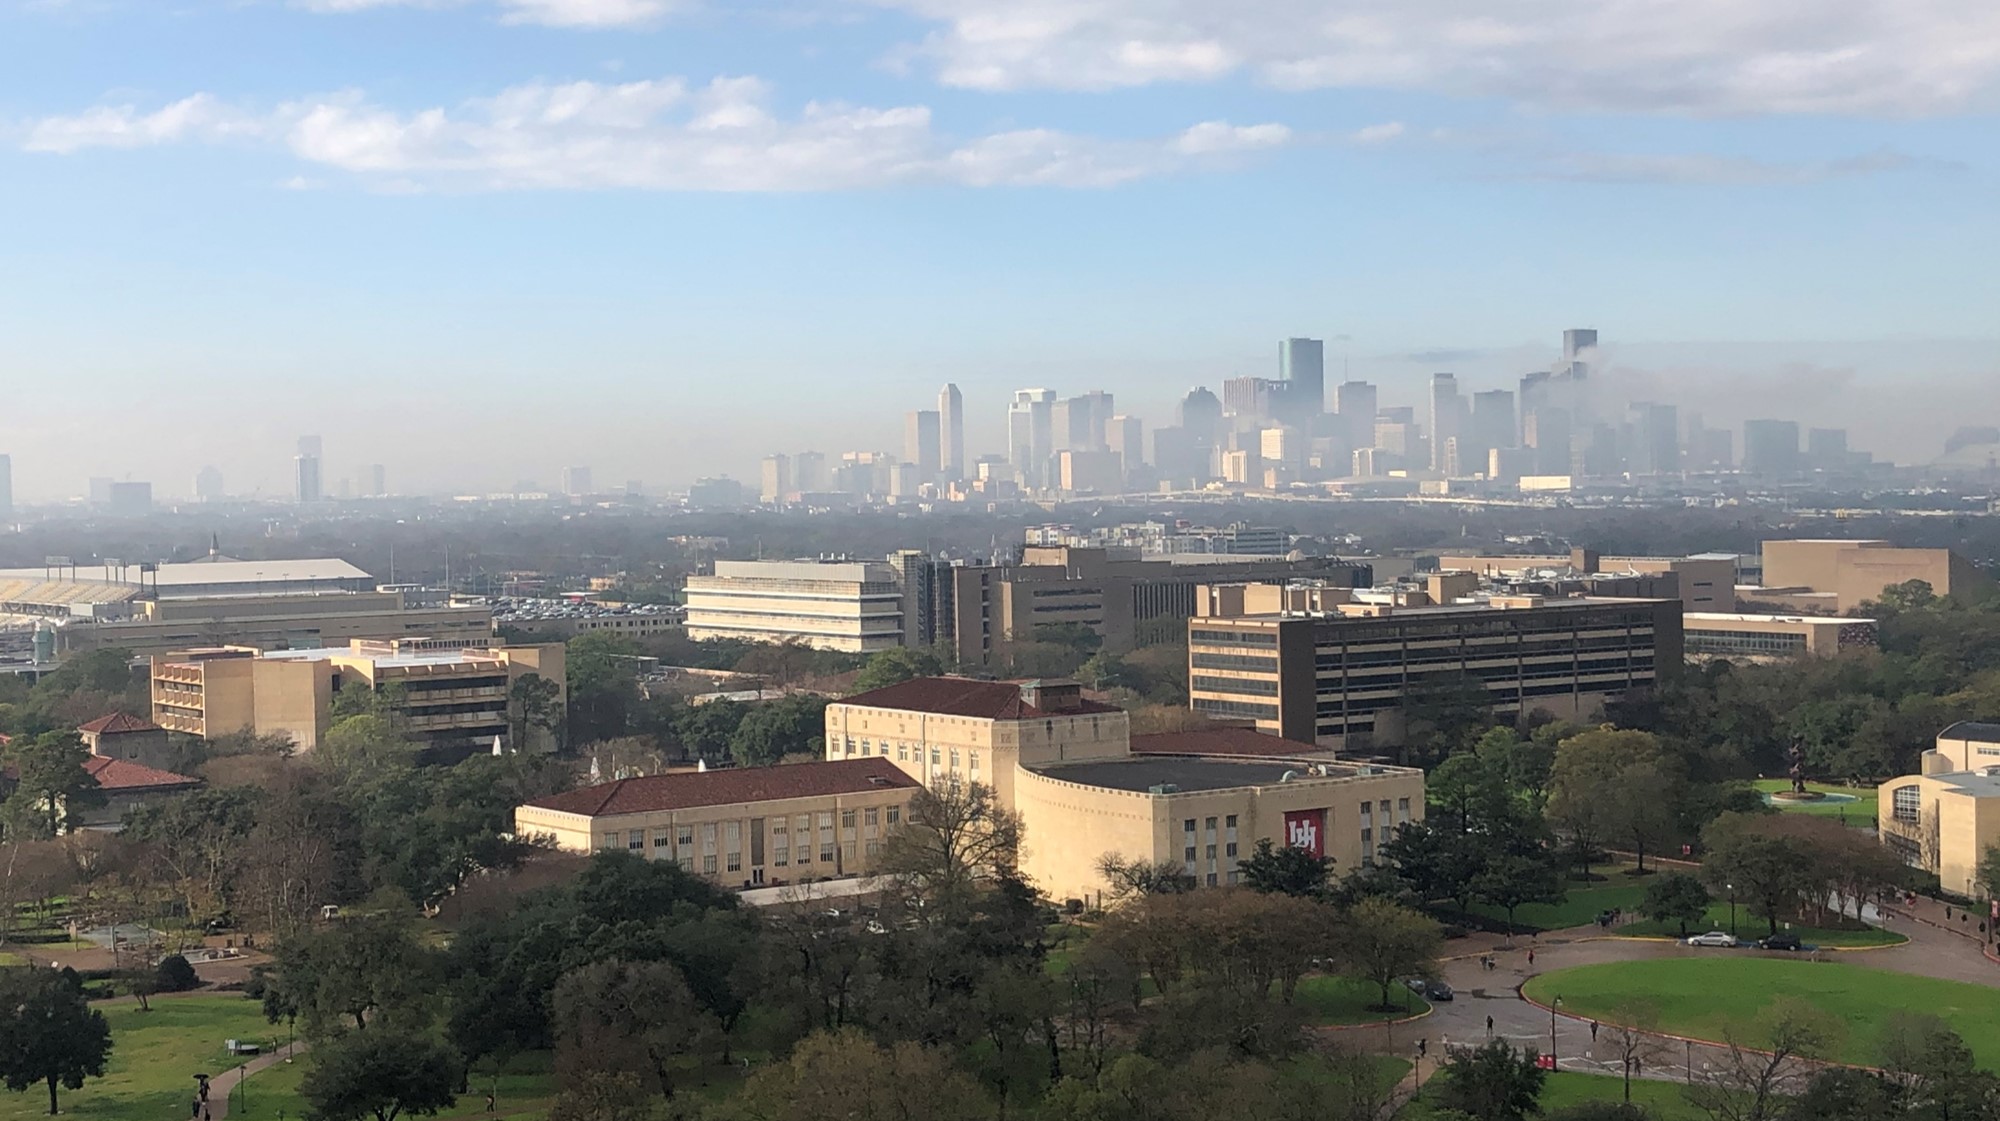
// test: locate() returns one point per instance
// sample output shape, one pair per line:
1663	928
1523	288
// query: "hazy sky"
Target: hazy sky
479	239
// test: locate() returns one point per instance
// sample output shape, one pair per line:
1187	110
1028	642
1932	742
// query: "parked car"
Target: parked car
1434	991
1785	941
1713	938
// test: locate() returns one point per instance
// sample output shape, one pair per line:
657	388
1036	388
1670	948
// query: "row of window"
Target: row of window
1238	686
722	843
908	753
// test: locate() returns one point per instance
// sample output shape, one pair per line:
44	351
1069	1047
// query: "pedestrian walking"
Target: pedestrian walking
489	1103
1531	959
1423	1047
1489	1027
1593	1031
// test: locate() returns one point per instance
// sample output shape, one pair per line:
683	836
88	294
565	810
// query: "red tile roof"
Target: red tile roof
690	789
962	696
123	774
118	723
1224	741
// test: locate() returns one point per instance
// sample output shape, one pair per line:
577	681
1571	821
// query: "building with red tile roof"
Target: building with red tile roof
742	827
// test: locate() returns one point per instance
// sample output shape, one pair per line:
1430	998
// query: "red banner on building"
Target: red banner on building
1306	829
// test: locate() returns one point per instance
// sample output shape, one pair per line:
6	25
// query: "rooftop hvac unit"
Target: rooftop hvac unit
1164	788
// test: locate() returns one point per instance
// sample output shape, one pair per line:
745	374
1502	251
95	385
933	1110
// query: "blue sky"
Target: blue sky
479	239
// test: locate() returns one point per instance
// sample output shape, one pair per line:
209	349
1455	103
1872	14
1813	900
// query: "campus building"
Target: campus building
1833	577
1084	786
217	600
454	698
912	599
746	827
1759	638
1944	819
1705	582
1339	667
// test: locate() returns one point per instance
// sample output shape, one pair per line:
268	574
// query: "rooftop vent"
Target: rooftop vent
1164	788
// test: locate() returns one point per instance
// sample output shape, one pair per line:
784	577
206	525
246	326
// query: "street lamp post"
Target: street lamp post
1552	1032
1732	907
1690	1060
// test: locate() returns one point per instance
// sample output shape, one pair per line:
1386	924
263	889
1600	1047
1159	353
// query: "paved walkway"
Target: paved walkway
222	1088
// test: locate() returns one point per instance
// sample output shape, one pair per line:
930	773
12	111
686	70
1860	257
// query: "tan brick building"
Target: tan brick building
744	827
1839	576
455	699
1946	818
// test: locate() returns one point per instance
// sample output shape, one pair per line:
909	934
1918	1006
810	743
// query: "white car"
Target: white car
1712	938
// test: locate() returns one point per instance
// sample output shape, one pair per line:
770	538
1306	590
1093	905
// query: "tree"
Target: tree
383	1074
1933	1072
1383	942
1989	871
1600	1111
175	975
1285	871
1130	879
1522	871
894	666
770	731
1631	1041
1609	784
1675	897
608	1096
1845	1094
1494	1083
343	975
1754	1079
953	835
603	686
50	776
48	1034
1441	713
364	742
532	706
846	1075
613	1016
1749	861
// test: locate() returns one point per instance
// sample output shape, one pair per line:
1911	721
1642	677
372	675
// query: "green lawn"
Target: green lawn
1749	927
1333	1001
154	1058
1708	996
1581	906
524	1091
1663	1099
1860	812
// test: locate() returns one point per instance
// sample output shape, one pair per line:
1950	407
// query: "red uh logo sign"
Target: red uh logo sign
1305	829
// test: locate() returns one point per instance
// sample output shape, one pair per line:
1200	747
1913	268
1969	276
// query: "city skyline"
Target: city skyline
552	224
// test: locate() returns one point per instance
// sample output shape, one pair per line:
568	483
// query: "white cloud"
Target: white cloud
548	13
1704	57
1378	134
652	135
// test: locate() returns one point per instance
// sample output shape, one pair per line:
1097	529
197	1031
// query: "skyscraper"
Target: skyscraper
1447	408
378	480
1126	436
1770	447
1249	397
306	471
208	484
576	481
777	479
1200	413
1576	340
951	432
1655	444
920	444
1302	367
1030	434
1493	426
1355	403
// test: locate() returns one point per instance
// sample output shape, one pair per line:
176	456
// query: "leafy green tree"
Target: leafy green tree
896	665
1522	870
615	1016
1382	942
348	973
706	731
774	729
175	975
199	840
386	1073
1767	870
1285	871
846	1075
603	686
364	742
1677	898
51	778
48	1033
1494	1083
533	705
1078	637
1442	713
1846	1094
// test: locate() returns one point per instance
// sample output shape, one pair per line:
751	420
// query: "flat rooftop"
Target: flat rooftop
1975	783
1142	775
1733	617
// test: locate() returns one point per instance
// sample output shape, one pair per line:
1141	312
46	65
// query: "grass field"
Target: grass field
1708	996
1663	1099
154	1058
1860	812
1581	906
1749	927
1334	1001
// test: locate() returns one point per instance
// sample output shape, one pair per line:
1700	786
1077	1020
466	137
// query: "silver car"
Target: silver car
1713	938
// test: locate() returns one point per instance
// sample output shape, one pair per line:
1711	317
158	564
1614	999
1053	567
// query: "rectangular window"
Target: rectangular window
954	758
708	838
1209	826
895	814
1232	850
1402	811
1211	879
611	840
735	862
826	854
871	816
684	837
902	753
1905	804
1367	814
662	840
1210	853
972	760
1188	827
936	756
1232	879
1187	854
636	841
708	864
847	819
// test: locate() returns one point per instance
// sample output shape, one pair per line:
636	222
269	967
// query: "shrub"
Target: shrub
175	975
